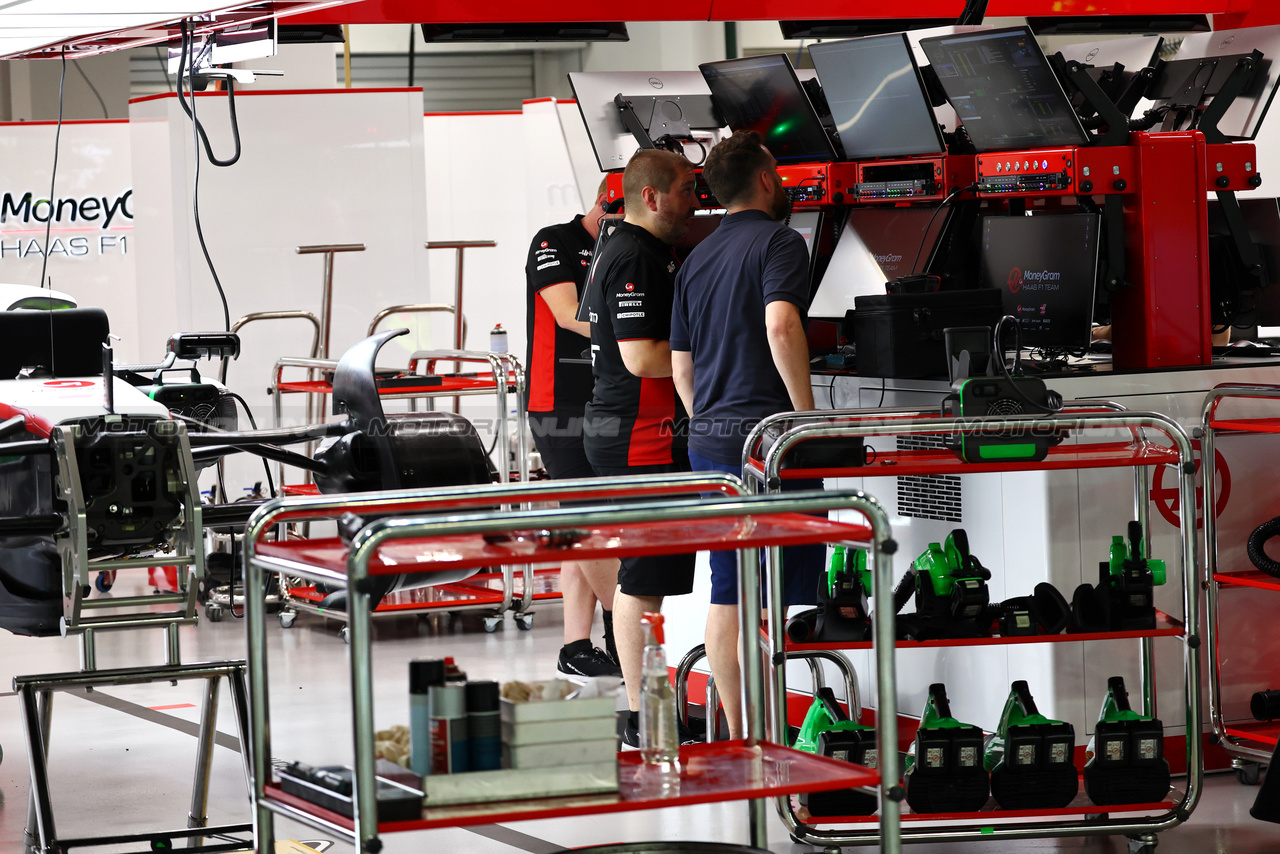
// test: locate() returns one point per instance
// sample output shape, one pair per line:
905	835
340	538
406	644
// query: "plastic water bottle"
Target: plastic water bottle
497	339
659	743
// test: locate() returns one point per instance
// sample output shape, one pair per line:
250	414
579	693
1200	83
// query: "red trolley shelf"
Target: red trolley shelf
710	773
1266	733
1249	578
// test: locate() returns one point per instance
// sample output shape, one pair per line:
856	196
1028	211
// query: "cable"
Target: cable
942	204
195	187
101	102
53	180
189	38
1054	399
883	380
271	486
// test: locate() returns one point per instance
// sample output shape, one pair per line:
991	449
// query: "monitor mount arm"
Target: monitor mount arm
974	12
630	121
1184	104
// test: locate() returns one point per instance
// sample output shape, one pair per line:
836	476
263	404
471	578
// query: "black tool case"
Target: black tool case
900	335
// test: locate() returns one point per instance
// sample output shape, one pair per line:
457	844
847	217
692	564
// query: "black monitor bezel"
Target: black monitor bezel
1083	137
828	155
940	146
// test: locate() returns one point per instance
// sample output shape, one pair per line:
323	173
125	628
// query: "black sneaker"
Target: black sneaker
580	661
631	734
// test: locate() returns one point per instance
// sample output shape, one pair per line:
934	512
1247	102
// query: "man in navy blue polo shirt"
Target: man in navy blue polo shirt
738	354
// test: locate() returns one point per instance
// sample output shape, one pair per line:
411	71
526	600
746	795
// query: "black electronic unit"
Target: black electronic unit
1045	268
847	29
983	397
763	93
333	788
897	181
877	98
537	31
1076	25
1004	90
901	335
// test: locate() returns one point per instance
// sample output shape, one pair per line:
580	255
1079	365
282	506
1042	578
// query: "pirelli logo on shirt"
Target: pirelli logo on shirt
631	303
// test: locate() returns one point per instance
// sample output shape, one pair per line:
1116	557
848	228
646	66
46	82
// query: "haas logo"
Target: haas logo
1015	280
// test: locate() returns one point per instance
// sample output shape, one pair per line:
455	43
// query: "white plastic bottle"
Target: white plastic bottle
497	339
659	743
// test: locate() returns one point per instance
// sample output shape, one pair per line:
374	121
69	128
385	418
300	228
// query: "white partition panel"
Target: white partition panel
91	248
317	167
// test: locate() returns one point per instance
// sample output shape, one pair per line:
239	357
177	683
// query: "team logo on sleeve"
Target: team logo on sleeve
631	286
544	244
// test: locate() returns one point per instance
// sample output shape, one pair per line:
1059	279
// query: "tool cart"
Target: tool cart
788	432
667	514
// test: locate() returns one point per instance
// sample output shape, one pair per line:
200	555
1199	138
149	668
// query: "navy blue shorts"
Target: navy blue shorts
802	566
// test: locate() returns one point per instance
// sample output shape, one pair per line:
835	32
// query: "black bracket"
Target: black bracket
1240	78
1116	122
1246	249
630	121
1113	276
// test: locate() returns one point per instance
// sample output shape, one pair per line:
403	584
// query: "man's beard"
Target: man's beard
781	207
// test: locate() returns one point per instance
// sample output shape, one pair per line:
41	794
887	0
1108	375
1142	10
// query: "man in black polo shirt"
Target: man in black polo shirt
558	388
634	420
738	354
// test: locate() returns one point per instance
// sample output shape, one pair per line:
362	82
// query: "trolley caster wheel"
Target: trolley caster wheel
1248	774
491	624
524	621
214	613
104	581
1144	844
287	619
345	634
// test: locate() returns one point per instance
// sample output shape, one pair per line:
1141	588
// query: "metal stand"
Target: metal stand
36	695
326	292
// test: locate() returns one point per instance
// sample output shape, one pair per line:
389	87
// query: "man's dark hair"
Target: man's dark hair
733	164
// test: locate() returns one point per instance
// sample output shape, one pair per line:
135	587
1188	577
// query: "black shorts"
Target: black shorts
653	575
558	437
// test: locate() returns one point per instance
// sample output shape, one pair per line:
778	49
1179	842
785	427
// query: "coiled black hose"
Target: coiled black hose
1257	540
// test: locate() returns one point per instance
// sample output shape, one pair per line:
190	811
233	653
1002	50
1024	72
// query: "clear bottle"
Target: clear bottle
497	339
659	743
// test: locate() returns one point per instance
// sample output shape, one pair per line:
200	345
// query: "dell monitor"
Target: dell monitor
1004	90
876	97
1046	267
763	93
877	244
1206	60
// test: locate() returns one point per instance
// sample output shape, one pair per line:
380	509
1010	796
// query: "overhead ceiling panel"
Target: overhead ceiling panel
453	11
35	29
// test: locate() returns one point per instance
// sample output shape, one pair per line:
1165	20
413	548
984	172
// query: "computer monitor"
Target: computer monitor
1004	90
1257	299
667	93
876	97
1046	267
877	244
763	93
1209	58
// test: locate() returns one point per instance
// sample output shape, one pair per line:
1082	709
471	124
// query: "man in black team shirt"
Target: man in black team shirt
738	354
559	386
634	420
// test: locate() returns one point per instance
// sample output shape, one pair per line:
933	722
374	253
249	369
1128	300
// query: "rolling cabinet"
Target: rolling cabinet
1134	449
1249	743
666	514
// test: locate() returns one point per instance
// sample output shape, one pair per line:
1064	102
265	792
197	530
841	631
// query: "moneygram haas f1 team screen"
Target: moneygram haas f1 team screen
1046	267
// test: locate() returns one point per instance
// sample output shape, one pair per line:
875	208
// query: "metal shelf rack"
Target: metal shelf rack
1250	743
766	472
673	515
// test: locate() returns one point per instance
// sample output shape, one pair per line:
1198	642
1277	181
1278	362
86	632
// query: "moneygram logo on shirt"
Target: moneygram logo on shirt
631	286
100	210
1033	280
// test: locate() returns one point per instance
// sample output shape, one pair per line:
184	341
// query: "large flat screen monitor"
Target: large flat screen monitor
877	244
1258	299
1046	267
1004	90
665	93
1244	117
876	97
762	93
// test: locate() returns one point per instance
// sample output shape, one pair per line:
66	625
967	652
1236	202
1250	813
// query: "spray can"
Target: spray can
659	742
484	726
449	728
497	339
424	677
